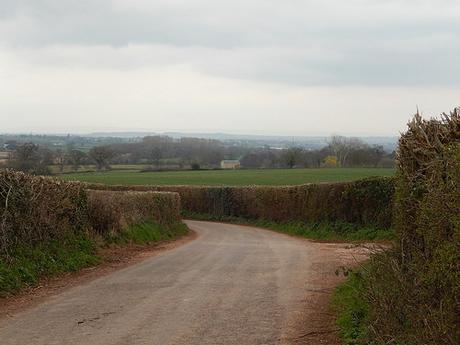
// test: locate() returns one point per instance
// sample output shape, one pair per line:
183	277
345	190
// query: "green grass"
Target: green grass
351	309
274	177
25	266
325	231
148	232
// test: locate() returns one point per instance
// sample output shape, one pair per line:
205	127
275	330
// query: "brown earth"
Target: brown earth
232	285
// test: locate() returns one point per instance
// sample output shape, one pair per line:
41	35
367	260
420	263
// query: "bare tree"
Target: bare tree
101	156
292	156
155	155
60	158
76	158
342	146
30	158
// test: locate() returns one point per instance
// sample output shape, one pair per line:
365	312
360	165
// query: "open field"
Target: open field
56	169
273	177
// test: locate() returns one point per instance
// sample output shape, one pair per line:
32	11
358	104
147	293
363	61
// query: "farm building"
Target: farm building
230	164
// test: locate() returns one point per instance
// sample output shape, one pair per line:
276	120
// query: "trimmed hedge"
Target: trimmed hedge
35	210
38	209
111	211
364	202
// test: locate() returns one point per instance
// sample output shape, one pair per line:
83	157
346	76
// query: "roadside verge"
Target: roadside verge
112	257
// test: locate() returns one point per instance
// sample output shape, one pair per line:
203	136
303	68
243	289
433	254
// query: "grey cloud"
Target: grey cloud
359	42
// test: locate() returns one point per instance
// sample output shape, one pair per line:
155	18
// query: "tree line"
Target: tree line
163	152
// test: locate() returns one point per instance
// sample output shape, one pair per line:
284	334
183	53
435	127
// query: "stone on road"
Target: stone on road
232	285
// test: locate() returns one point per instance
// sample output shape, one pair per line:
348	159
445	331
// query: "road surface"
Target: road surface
232	285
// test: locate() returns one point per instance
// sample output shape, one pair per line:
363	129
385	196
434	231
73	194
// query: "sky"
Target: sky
291	67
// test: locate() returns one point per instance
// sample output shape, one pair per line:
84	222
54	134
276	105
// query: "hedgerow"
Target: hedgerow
38	209
367	202
412	292
110	212
48	226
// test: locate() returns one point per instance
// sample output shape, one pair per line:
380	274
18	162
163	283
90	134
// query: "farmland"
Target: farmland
274	177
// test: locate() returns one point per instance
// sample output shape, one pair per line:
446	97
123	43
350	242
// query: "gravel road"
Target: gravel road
232	285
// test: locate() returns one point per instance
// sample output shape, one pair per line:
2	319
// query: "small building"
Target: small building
230	164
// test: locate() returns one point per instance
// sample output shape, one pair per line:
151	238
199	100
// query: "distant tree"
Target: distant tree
155	155
292	156
312	158
388	160
377	154
329	162
342	147
252	160
60	159
101	155
76	158
28	157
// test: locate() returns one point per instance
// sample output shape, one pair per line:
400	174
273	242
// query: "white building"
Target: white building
230	164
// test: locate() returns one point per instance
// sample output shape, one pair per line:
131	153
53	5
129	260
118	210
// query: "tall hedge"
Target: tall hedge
366	202
428	224
37	209
414	290
34	210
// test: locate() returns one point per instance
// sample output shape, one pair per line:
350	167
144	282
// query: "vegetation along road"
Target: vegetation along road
274	177
232	285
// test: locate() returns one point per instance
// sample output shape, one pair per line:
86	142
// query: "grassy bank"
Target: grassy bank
243	177
325	231
49	226
352	308
147	233
25	266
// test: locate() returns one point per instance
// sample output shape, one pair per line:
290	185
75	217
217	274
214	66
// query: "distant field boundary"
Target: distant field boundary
367	202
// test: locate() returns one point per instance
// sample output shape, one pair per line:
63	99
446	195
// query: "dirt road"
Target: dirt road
232	285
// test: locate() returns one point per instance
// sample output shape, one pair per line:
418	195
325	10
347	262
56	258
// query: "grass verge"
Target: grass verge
351	308
325	231
25	266
146	233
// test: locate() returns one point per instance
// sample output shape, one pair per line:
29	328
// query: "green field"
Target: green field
275	177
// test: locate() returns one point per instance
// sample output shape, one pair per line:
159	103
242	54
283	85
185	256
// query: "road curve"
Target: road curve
232	285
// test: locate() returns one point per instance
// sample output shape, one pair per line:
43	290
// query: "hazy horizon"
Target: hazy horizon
294	68
190	133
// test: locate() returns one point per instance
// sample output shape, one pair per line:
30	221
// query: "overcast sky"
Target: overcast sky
293	67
